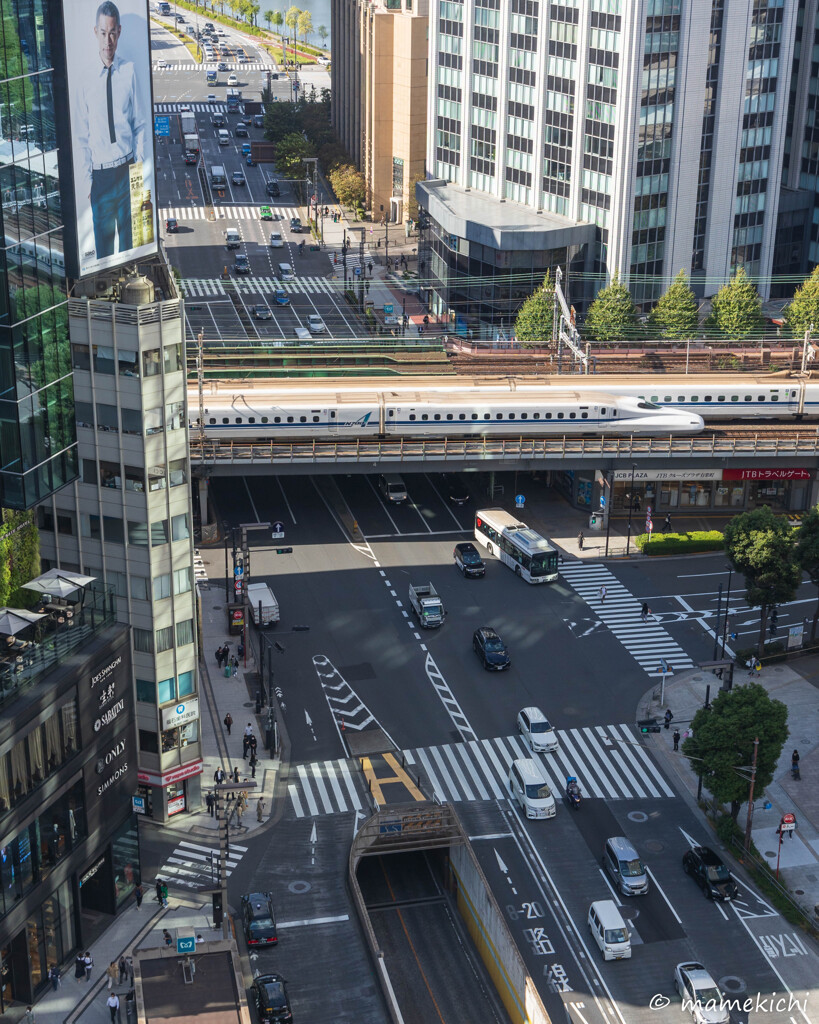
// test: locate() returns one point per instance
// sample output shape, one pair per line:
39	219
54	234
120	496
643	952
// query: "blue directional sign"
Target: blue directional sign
602	501
358	271
520	501
186	944
388	307
138	804
278	531
162	126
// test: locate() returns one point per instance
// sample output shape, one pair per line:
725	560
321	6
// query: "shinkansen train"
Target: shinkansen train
345	409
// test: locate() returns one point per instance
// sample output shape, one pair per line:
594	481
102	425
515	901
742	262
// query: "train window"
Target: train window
749	398
511	415
720	398
462	416
572	415
680	398
211	420
760	398
584	415
392	413
560	415
437	416
302	419
548	415
412	416
238	419
708	398
474	415
668	398
333	414
498	415
265	419
251	419
535	415
655	398
225	419
695	398
487	416
315	419
774	398
449	416
424	416
289	419
603	411
524	415
734	398
277	419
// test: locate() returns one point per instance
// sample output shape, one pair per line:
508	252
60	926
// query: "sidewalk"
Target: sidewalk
799	856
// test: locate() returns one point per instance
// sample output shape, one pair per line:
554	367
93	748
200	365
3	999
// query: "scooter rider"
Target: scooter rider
573	791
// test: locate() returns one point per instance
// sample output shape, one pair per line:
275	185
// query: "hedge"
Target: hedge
680	543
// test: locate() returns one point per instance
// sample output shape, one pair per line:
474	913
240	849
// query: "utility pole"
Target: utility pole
200	381
750	816
386	242
716	629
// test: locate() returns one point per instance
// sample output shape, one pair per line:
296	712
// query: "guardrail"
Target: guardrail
415	449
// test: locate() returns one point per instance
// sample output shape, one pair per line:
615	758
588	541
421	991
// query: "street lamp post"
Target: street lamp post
630	508
750	816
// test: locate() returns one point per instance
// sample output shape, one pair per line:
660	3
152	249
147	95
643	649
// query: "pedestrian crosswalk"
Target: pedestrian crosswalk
225	212
233	66
647	642
203	287
609	762
194	865
194	108
353	259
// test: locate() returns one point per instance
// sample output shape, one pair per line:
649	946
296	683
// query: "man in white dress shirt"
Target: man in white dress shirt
110	129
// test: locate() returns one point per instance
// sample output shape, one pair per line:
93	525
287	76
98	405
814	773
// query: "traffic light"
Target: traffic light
217	909
284	551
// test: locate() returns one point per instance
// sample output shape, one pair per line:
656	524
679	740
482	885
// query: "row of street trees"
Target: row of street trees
736	312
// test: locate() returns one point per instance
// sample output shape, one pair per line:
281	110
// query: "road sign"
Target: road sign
278	531
138	804
388	307
520	501
649	526
602	501
162	126
186	944
358	271
648	510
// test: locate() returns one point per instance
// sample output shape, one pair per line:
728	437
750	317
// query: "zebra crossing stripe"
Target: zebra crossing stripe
293	792
308	793
641	756
477	753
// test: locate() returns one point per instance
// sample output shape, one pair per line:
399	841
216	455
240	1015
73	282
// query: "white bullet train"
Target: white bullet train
342	409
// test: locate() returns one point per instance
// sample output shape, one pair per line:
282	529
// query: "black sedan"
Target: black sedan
710	874
468	560
269	993
241	263
258	919
238	178
171	225
454	489
261	312
221	66
490	649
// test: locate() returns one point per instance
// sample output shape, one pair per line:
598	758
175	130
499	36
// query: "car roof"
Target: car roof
534	714
269	979
707	855
487	631
466	546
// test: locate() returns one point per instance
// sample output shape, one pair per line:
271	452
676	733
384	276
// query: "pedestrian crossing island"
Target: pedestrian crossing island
609	761
196	865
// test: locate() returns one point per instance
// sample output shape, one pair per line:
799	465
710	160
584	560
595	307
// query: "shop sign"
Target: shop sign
89	874
180	714
668	474
185	771
767	474
176	805
104	674
107	717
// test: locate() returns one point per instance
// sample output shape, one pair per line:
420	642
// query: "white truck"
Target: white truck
261	599
188	123
427	605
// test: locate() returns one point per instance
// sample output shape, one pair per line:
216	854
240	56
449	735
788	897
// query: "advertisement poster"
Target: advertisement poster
108	60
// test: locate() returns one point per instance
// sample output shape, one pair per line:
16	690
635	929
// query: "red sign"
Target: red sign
176	805
185	771
766	474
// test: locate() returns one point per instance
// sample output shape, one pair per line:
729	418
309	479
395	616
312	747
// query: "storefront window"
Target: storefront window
176	798
125	858
170	740
768	492
695	493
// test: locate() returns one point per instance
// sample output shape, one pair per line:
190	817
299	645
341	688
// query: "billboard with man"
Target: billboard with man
108	64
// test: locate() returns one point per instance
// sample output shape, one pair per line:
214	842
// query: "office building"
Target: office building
69	857
379	98
663	123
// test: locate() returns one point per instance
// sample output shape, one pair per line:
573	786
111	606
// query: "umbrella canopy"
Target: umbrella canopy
59	582
15	620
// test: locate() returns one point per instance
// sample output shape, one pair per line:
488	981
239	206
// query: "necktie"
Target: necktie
112	133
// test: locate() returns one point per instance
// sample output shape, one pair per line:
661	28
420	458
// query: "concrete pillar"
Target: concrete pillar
204	509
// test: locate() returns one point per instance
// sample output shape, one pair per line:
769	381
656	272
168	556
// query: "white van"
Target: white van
233	239
536	729
609	930
392	487
224	137
259	594
286	272
530	788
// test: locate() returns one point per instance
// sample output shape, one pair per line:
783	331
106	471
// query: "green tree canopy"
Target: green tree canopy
736	309
305	24
760	545
278	19
612	315
803	312
722	747
323	33
268	17
349	185
675	315
807	555
281	119
290	154
535	318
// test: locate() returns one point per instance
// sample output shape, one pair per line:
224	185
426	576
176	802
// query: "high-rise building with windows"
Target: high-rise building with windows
663	123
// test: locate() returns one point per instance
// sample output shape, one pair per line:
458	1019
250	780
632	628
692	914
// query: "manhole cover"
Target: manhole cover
249	704
769	853
732	983
637	816
654	845
299	887
217	607
799	892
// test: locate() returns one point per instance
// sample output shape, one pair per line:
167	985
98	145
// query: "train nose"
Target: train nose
696	422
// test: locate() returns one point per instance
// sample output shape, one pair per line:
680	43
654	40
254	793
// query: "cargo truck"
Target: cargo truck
427	605
188	123
264	608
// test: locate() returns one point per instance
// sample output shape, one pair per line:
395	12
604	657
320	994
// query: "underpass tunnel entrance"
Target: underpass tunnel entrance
437	936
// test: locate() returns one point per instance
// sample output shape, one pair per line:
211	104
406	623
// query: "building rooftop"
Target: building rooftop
498	223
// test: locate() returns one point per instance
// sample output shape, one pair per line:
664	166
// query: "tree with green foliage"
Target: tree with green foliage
675	315
807	555
278	20
268	17
736	309
19	557
349	185
291	19
535	319
722	746
803	312
305	25
760	545
613	315
290	155
323	33
281	119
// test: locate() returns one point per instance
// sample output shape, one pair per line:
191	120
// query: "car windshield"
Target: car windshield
262	924
709	996
718	873
540	727
432	610
274	994
470	557
494	643
536	792
616	935
631	868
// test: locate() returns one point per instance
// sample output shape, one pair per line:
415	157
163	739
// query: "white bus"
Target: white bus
529	554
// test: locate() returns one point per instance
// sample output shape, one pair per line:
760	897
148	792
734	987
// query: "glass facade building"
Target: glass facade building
37	435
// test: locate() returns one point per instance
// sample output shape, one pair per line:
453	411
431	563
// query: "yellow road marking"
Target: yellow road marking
400	776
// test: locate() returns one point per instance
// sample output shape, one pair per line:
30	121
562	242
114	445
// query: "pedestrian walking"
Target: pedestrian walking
228	720
667	523
209	803
88	960
55	977
260	808
644	611
253	762
166	935
235	665
239	810
253	743
79	967
676	739
235	774
245	744
240	650
158	887
753	665
668	717
139	892
580	539
219	654
111	973
164	893
113	1006
29	1016
602	595
219	776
